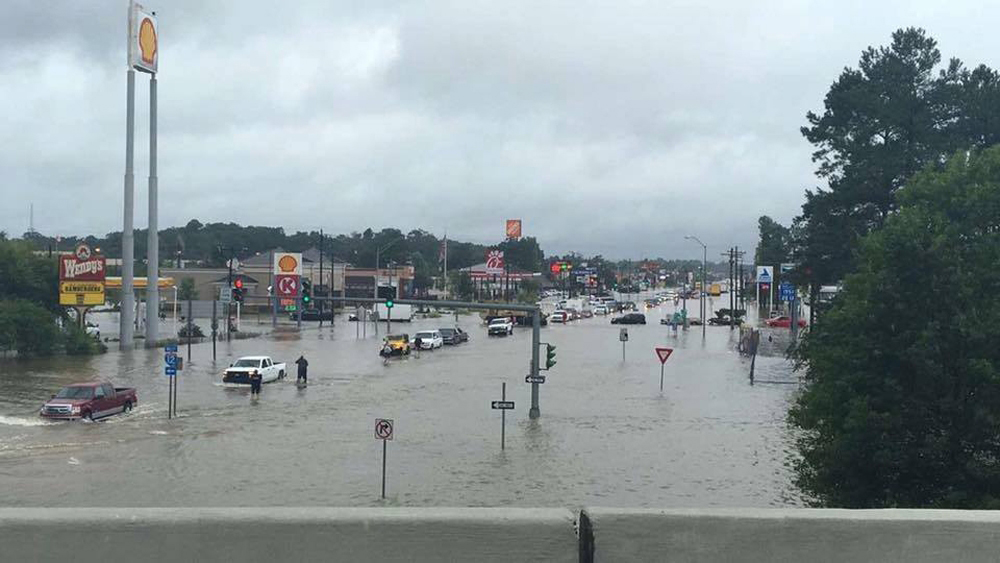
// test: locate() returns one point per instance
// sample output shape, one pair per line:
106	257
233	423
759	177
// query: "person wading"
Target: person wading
303	363
255	384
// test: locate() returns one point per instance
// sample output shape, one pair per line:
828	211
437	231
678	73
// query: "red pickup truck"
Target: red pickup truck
90	401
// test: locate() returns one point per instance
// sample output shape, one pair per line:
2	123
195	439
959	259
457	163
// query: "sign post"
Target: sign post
170	370
383	431
503	405
623	336
663	354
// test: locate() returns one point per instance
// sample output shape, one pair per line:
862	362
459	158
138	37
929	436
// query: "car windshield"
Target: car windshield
396	337
75	393
425	335
447	331
244	363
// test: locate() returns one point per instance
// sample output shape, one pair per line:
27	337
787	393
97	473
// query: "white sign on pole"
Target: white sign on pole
765	274
225	294
787	267
288	263
143	39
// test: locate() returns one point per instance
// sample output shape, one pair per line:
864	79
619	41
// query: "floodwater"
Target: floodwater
607	435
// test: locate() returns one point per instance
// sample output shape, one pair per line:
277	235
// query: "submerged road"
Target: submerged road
607	436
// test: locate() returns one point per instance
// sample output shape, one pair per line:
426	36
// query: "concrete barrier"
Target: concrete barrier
84	535
154	535
769	535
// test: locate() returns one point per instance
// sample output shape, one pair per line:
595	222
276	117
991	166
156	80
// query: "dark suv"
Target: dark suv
630	319
453	335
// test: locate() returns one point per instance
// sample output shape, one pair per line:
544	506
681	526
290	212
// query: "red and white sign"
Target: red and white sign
82	266
494	262
286	285
663	354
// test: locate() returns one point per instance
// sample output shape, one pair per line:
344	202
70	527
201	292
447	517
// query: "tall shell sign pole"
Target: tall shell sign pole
143	40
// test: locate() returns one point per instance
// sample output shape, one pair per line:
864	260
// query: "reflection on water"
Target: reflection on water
607	435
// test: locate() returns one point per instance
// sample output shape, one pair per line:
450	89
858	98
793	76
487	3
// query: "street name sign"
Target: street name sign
534	379
502	405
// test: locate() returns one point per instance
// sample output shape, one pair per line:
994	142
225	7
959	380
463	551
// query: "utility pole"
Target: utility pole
704	266
320	278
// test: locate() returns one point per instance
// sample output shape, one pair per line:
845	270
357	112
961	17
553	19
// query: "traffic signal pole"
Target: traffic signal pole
536	338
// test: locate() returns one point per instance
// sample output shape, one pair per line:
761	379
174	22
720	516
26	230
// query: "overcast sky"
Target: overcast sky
609	127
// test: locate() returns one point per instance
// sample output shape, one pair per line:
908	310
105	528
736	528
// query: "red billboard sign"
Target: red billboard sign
286	285
494	262
82	266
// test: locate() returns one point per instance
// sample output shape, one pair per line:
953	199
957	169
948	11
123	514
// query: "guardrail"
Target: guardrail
486	535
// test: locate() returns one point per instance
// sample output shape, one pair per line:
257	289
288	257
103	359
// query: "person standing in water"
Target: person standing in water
255	384
303	363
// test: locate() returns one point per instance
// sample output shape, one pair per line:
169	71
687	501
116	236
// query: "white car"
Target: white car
241	370
429	339
500	326
601	310
559	317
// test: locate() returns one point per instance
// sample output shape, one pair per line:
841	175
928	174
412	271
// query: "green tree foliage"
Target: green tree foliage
772	249
461	285
882	122
902	403
28	328
523	254
186	290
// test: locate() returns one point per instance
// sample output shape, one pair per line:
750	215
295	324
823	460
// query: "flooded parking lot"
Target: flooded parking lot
607	436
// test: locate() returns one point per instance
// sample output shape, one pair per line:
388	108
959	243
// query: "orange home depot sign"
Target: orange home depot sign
514	228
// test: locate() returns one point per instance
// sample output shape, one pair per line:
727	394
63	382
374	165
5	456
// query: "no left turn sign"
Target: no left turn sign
383	429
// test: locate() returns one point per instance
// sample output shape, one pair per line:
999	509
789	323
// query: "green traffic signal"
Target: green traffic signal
550	356
388	303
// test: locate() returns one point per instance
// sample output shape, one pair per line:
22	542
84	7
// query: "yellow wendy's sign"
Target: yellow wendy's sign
143	40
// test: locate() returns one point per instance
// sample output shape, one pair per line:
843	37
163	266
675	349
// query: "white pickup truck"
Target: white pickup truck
241	370
500	326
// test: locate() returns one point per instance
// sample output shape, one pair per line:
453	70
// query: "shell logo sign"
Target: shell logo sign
288	263
143	40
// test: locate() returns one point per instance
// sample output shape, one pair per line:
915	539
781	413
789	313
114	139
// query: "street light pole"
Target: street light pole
704	266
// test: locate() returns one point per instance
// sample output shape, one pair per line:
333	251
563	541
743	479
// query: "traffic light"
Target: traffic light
238	290
306	291
388	303
550	356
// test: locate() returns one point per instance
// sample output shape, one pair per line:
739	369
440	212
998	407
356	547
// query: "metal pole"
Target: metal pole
704	289
661	377
170	397
215	325
321	277
189	329
126	331
153	236
274	294
384	450
536	339
298	321
176	379
357	327
375	307
175	311
623	350
229	304
503	416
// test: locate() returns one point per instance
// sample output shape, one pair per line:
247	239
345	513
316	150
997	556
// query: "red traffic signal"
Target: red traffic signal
555	267
238	284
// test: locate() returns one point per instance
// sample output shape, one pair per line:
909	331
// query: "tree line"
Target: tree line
901	405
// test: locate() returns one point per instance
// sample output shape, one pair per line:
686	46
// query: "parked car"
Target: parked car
312	315
500	326
630	319
601	310
93	330
453	335
240	371
586	313
650	303
89	400
429	339
559	317
395	345
784	321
